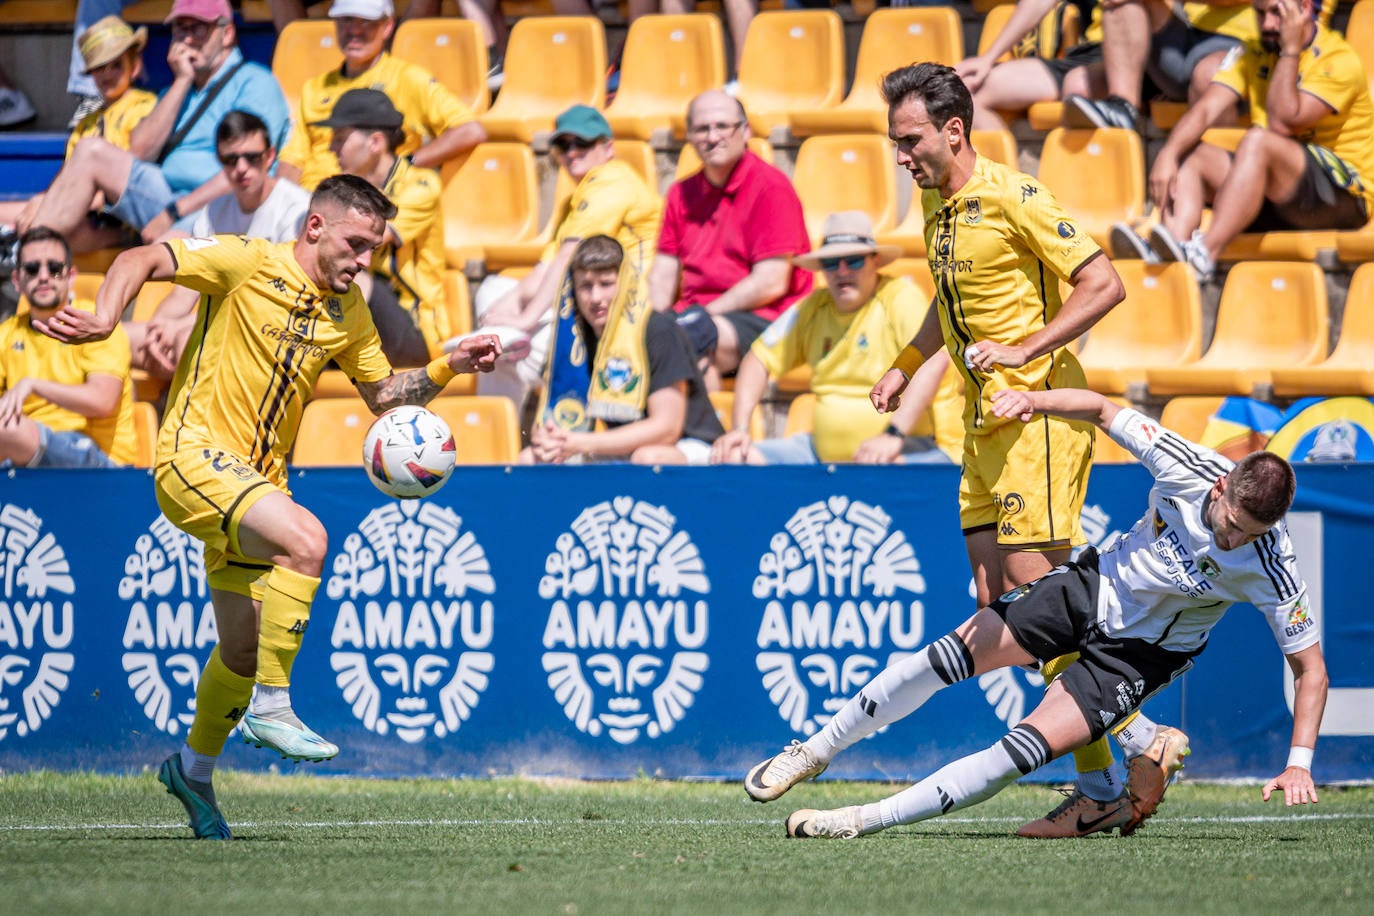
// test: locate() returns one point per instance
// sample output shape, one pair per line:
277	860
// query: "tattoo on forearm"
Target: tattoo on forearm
414	386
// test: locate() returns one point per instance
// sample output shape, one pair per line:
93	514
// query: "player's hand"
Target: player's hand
158	354
1292	27
973	71
475	354
183	60
731	448
983	355
156	227
1297	786
887	394
74	326
883	448
1163	182
1012	403
12	402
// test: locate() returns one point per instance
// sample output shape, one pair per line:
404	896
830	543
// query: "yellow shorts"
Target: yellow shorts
206	492
1028	481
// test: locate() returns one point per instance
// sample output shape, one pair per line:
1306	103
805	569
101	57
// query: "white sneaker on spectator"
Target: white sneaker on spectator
15	108
1192	252
1127	245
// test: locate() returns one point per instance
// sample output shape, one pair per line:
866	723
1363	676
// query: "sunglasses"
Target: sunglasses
229	160
566	144
850	262
55	268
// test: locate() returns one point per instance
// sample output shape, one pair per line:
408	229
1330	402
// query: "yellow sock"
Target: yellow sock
285	614
221	699
1092	757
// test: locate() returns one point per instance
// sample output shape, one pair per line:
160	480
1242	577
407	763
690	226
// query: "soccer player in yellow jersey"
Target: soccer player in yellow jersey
60	406
999	245
438	126
1307	163
404	287
272	316
848	332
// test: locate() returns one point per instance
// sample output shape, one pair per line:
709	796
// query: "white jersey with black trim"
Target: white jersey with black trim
1166	581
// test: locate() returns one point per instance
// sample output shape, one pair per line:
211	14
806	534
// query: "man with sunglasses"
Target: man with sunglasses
62	406
170	169
848	332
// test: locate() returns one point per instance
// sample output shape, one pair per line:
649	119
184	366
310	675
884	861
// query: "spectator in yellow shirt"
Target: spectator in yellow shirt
437	125
63	406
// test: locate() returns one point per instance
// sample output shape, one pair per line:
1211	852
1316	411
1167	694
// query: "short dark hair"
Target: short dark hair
938	87
352	193
597	252
1263	485
239	124
44	234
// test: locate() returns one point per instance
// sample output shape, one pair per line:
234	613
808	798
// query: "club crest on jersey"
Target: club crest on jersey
1209	568
333	307
841	601
973	211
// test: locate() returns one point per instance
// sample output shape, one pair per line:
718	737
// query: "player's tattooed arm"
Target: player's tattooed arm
413	386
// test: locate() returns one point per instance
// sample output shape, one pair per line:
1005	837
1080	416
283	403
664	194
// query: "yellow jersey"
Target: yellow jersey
429	109
1330	70
114	122
263	334
415	268
1237	20
27	353
997	250
611	200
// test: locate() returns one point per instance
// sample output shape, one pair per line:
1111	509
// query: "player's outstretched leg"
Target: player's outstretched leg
1149	774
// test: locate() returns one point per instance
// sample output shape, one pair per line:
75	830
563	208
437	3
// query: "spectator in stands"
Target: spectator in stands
112	55
729	233
63	406
1307	163
170	169
1036	72
1177	45
79	80
404	286
617	360
438	126
610	198
260	206
848	332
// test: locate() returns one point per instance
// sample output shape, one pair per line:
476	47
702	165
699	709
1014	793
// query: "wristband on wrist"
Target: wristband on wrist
892	430
908	361
439	371
171	210
1300	757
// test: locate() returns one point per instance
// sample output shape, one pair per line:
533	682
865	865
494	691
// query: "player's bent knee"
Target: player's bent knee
306	544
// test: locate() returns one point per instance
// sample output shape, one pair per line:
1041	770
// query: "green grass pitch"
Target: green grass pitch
344	847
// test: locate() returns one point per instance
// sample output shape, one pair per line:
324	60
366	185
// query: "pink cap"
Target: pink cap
204	10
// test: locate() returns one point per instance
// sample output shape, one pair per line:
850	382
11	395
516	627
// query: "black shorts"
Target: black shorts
748	326
1080	55
1329	196
1057	614
1175	52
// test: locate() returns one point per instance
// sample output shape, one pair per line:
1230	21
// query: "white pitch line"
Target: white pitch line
646	822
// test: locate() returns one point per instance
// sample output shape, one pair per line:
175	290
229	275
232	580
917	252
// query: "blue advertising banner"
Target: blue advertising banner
608	621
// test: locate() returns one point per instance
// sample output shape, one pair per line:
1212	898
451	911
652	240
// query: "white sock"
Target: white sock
1100	785
964	782
1136	736
897	691
266	699
197	767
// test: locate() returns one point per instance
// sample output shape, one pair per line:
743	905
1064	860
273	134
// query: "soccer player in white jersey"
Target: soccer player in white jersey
1138	613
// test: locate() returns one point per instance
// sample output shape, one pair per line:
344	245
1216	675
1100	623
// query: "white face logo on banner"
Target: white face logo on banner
36	622
840	590
170	627
621	638
408	584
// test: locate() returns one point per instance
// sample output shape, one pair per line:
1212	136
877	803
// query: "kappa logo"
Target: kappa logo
410	639
37	622
627	620
841	601
169	624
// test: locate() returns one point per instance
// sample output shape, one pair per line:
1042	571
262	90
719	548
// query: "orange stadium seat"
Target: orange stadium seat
668	60
332	432
145	434
917	270
37	12
846	172
1272	314
1188	415
1359	31
149	297
485	429
1097	175
724	404
1105	449
793	60
800	414
305	48
1158	324
146	11
997	145
491	199
451	49
892	38
1350	367
552	63
689	163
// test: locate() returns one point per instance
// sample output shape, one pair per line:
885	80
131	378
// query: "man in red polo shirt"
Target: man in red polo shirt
729	233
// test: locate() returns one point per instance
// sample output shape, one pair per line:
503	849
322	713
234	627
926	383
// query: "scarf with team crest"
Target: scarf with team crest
616	386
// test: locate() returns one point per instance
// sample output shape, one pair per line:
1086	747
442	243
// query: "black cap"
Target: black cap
363	108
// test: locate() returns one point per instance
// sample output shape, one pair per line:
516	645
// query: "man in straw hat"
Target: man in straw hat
848	332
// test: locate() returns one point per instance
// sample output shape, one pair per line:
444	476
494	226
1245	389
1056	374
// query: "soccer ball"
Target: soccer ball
408	452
